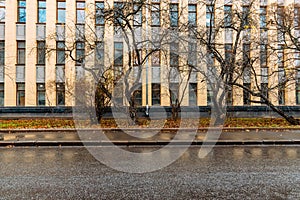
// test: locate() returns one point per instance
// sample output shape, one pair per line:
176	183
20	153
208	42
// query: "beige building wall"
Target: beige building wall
70	67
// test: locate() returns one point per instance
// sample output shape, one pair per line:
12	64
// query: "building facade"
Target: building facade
34	34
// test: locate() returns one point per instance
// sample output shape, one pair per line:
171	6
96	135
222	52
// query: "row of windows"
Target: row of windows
40	94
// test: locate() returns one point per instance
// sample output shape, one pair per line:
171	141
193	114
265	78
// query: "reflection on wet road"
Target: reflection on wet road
261	172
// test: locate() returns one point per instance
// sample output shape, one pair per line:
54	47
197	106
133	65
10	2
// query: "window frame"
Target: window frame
60	50
41	53
60	9
80	9
41	8
3	8
192	12
21	50
21	19
174	11
40	90
99	21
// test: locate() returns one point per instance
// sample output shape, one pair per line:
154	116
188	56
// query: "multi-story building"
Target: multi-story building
34	70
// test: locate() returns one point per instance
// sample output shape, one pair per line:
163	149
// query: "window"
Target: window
61	11
60	94
155	14
99	54
155	93
100	13
173	15
118	58
60	52
174	57
2	10
41	94
210	15
297	16
20	94
263	55
21	52
138	17
1	94
228	53
246	94
118	13
80	12
137	96
2	53
174	90
298	87
280	55
264	90
41	52
41	11
192	18
192	94
246	13
281	85
263	17
80	52
192	54
227	16
22	11
246	55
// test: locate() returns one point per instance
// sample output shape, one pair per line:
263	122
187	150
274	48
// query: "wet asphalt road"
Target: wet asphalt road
256	172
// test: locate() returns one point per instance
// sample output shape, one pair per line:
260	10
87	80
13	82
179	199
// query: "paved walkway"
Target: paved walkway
69	137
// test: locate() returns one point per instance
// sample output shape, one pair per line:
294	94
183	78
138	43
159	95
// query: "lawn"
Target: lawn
110	123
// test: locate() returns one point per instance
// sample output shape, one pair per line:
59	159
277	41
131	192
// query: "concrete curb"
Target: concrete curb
146	143
225	129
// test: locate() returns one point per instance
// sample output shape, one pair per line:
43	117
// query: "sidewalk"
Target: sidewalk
69	137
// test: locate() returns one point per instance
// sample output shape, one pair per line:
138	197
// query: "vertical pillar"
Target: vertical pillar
51	56
10	54
30	67
70	31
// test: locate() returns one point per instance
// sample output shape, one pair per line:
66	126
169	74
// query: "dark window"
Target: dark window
100	13
246	13
2	10
227	16
193	94
155	93
137	96
264	90
174	57
174	15
263	55
21	11
298	88
118	58
228	53
80	52
210	15
2	53
138	17
20	94
297	16
21	52
155	14
99	54
61	11
60	94
42	11
60	53
1	94
41	100
192	18
246	94
41	52
174	90
80	12
118	13
263	17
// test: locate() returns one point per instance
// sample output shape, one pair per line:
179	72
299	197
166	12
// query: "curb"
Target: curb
225	129
145	143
